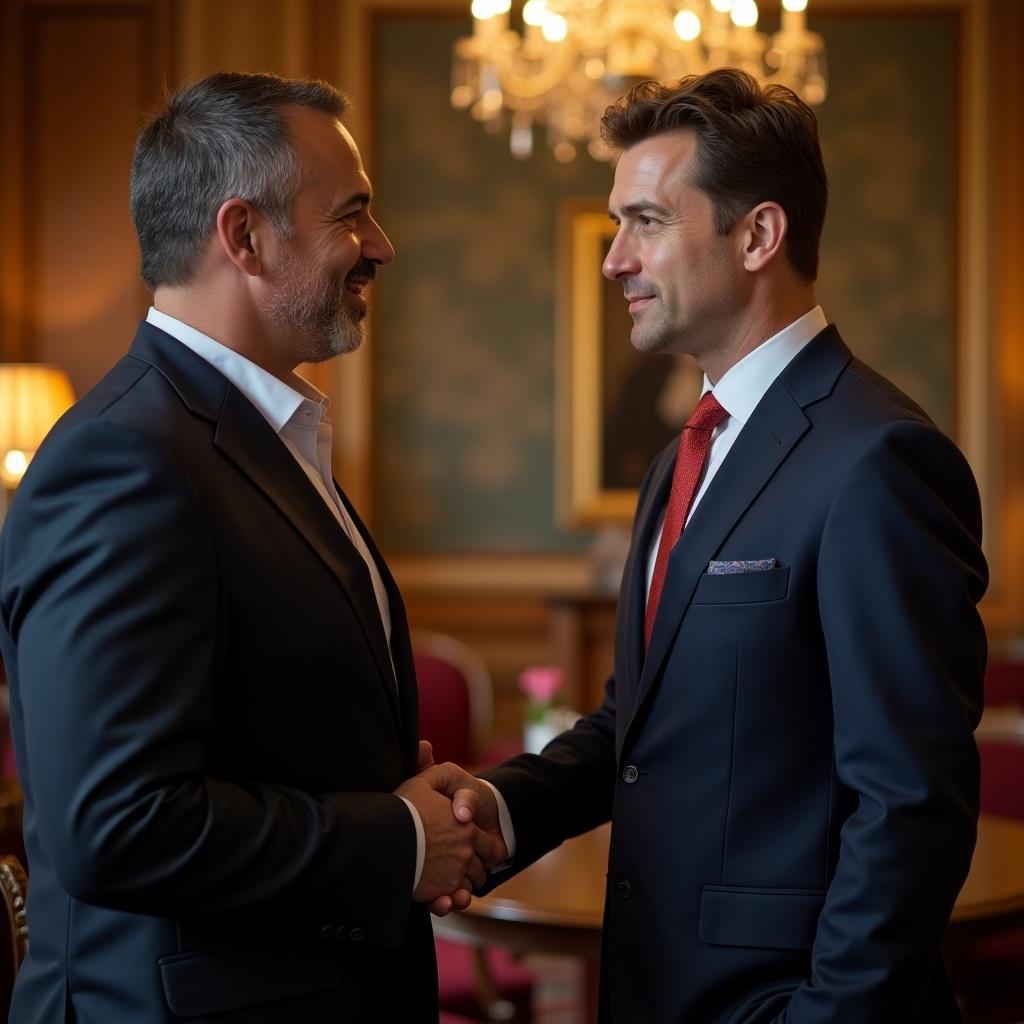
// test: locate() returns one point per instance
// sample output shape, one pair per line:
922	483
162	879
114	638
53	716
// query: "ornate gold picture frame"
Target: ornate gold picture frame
617	407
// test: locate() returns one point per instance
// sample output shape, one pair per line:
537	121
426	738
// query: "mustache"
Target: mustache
636	289
364	268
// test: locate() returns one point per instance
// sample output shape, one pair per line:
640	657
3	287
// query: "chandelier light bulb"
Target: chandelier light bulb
534	12
555	27
744	13
687	25
568	60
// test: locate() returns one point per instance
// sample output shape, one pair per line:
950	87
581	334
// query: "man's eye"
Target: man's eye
645	220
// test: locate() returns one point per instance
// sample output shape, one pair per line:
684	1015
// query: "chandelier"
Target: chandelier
572	58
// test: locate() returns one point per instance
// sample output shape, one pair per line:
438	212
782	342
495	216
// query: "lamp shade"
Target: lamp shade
33	397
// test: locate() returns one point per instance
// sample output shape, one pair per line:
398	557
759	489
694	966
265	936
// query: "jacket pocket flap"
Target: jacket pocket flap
761	918
743	587
228	978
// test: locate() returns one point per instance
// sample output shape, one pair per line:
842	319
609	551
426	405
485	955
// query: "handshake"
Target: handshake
460	824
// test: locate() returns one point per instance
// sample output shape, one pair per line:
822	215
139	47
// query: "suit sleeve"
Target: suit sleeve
900	573
111	588
568	789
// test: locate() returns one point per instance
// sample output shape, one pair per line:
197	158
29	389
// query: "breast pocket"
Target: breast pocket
743	587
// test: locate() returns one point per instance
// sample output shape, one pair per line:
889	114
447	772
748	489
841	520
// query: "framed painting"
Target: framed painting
617	407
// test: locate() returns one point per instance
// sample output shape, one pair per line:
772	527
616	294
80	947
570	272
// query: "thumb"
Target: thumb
465	803
426	756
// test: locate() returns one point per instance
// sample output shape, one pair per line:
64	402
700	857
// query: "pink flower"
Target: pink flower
541	682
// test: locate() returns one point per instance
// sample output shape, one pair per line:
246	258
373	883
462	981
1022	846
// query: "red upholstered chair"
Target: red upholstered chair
1004	683
13	928
989	978
456	708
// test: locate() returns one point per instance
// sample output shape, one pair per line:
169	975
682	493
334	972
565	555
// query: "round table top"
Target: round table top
558	902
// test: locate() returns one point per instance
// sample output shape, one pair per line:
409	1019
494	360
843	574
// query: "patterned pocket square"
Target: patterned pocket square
731	568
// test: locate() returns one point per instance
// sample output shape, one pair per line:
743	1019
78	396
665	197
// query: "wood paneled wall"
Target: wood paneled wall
76	78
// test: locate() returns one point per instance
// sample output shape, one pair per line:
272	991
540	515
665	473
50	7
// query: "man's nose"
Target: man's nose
377	246
621	261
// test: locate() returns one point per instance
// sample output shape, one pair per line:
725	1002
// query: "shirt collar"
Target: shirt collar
277	401
742	386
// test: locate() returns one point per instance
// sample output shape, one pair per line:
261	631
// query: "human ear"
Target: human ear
766	230
240	234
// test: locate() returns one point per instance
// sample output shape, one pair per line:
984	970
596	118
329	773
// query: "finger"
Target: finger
447	778
483	845
463	896
442	906
425	758
476	873
500	852
465	803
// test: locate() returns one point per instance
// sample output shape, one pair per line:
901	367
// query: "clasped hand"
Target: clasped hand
460	824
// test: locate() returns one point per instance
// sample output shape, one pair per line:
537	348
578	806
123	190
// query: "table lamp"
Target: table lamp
33	396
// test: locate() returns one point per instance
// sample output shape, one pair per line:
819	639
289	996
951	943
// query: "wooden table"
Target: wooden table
556	905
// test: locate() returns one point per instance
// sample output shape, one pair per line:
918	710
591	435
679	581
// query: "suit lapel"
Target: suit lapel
244	436
401	648
774	428
634	593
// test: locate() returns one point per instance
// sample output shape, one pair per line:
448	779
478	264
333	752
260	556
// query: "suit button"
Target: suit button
327	932
356	935
341	932
630	774
623	890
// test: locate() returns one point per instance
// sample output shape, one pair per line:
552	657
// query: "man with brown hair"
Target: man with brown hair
785	748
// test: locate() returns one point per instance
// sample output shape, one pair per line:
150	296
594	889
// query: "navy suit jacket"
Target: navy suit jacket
206	723
790	772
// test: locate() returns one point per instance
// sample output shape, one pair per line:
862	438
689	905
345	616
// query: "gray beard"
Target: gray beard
310	303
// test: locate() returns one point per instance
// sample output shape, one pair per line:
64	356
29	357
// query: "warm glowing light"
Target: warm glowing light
565	152
484	9
534	12
555	27
15	464
744	13
687	25
565	61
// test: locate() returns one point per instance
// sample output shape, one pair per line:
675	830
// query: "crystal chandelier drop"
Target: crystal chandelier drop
572	58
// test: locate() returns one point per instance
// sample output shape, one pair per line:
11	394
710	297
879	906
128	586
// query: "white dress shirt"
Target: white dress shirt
297	412
738	392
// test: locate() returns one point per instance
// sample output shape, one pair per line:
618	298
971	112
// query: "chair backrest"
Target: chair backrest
13	928
1004	683
456	700
1000	738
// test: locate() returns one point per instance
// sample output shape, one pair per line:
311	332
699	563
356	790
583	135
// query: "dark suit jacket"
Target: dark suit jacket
790	772
206	723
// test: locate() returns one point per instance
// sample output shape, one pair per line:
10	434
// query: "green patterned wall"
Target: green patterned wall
464	431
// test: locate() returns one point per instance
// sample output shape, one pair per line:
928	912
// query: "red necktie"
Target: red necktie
693	452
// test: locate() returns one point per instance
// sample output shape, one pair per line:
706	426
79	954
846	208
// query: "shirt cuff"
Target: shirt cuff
421	838
508	833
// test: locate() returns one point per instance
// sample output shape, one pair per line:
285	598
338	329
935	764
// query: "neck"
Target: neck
758	323
229	321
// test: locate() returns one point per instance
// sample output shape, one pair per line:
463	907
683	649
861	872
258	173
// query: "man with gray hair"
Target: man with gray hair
228	815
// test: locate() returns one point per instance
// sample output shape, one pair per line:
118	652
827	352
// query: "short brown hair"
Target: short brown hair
754	144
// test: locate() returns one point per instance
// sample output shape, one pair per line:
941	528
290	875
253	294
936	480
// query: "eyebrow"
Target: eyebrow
640	206
362	198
